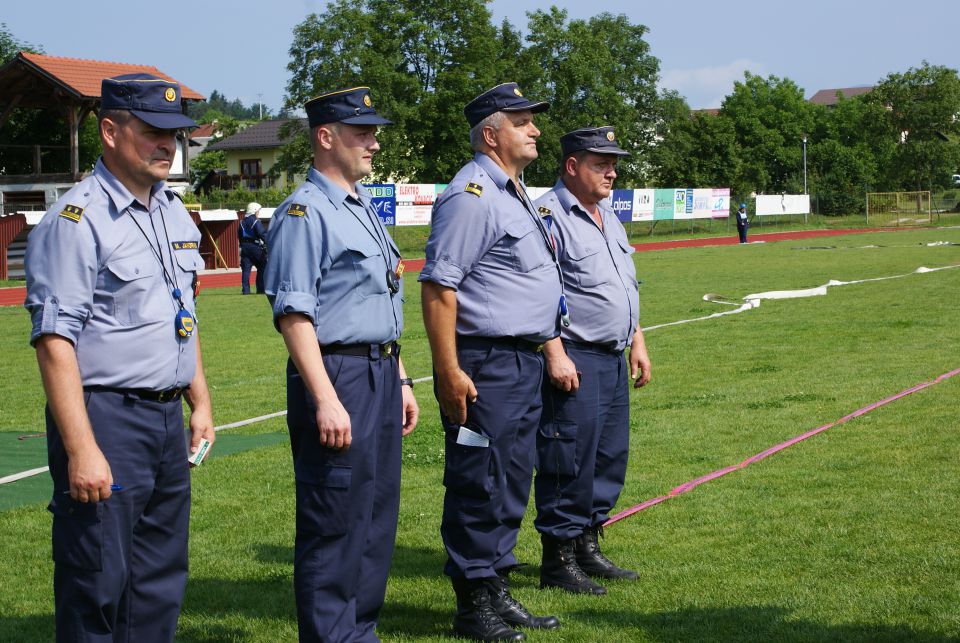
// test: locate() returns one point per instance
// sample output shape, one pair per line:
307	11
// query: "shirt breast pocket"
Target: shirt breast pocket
587	265
369	269
526	246
137	296
627	267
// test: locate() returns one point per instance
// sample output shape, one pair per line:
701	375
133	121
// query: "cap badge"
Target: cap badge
610	136
170	94
516	90
366	100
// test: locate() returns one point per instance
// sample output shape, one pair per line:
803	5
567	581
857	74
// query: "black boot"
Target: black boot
592	560
513	612
476	618
559	568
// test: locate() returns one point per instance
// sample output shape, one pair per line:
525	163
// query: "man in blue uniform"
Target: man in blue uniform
743	224
584	432
111	270
334	279
491	296
253	248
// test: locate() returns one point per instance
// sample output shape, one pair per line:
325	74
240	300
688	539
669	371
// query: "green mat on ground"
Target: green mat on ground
20	455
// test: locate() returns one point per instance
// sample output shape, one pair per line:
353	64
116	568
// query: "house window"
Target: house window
250	173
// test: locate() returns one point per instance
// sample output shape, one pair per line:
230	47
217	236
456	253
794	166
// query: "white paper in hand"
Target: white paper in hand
469	438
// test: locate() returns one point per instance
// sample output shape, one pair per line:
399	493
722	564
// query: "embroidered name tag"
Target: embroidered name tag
297	210
72	212
185	245
474	188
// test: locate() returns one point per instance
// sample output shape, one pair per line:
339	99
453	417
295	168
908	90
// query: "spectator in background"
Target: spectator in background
742	222
253	248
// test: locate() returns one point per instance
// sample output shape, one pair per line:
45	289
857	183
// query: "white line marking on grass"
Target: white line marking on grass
23	474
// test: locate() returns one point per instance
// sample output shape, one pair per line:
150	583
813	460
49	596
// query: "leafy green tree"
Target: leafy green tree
697	150
219	104
423	60
921	108
594	72
770	117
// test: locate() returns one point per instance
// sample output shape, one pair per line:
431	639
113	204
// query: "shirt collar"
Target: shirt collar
117	191
334	192
494	171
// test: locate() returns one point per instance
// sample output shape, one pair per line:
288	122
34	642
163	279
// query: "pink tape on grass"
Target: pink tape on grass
696	482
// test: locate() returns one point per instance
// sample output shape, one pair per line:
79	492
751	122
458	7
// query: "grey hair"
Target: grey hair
494	120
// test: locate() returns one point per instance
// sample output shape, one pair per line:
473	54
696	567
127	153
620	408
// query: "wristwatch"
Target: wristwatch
406	381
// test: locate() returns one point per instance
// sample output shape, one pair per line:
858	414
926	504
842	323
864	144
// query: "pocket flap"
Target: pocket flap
132	268
189	260
559	430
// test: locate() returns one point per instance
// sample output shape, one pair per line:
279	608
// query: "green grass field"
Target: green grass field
853	535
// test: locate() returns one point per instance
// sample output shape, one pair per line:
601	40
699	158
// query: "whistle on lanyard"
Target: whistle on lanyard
564	312
185	323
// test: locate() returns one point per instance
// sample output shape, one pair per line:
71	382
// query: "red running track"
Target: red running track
15	296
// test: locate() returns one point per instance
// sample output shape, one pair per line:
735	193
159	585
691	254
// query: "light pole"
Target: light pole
804	139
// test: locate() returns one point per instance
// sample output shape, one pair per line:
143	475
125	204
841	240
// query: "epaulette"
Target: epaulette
297	210
72	212
474	188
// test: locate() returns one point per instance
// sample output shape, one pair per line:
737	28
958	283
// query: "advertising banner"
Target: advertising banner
384	201
643	204
663	204
622	203
721	203
774	204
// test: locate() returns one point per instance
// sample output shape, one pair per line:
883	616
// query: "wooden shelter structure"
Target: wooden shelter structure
71	86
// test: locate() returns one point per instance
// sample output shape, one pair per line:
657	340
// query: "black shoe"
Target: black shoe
592	561
513	612
476	618
559	569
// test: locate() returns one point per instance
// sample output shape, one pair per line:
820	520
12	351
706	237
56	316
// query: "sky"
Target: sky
241	48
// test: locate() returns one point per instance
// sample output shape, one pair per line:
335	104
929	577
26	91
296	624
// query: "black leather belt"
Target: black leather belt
168	395
370	351
515	343
590	346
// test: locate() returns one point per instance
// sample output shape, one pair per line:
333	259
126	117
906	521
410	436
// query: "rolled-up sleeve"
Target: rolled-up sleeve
293	274
61	266
460	235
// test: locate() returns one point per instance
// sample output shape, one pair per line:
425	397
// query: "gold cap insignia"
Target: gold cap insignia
516	90
366	100
170	94
610	136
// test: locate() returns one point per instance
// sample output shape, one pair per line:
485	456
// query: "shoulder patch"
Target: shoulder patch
185	245
72	212
474	188
297	210
544	210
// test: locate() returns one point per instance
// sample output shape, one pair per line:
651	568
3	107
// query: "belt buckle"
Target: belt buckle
169	394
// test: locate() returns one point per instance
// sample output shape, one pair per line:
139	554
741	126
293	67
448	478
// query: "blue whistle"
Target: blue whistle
564	313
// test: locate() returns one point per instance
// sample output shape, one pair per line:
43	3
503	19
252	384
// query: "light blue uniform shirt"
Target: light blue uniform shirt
487	243
329	257
599	277
94	278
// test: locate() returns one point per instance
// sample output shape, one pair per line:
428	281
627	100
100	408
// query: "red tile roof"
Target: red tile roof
203	131
84	76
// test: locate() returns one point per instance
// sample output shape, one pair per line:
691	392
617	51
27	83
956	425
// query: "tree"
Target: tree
424	62
594	72
697	150
218	104
770	117
921	107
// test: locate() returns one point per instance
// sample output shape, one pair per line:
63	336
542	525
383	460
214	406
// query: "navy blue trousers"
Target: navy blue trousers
347	500
252	255
120	566
487	488
582	445
742	231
